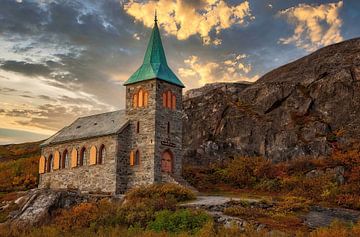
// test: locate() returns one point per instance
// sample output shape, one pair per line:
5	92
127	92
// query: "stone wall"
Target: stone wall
94	178
144	140
173	141
153	139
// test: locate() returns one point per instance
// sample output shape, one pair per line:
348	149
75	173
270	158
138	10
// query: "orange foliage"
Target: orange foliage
20	174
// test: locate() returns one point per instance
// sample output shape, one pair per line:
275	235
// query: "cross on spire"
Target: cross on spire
156	20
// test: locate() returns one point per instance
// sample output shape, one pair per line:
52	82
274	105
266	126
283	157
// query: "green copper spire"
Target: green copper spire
154	64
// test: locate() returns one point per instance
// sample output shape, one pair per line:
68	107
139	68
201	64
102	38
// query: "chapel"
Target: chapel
112	152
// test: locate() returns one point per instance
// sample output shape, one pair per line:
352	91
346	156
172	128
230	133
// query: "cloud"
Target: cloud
315	26
233	68
186	18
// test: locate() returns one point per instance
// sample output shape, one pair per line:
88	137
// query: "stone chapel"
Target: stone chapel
115	151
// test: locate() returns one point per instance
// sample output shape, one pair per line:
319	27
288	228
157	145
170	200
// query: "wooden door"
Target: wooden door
166	162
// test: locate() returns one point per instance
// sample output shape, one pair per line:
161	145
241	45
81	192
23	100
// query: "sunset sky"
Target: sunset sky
62	59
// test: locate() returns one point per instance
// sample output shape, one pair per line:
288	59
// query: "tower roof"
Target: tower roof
154	64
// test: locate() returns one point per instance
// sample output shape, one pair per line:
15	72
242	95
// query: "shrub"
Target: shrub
246	171
155	191
183	220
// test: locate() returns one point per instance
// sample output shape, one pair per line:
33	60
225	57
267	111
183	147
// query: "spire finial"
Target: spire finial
156	17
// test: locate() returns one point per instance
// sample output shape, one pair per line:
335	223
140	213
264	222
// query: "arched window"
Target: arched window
74	158
57	157
137	158
65	160
102	155
140	98
135	101
49	163
169	100
82	157
93	152
173	102
42	165
164	99
146	99
134	158
137	127
168	97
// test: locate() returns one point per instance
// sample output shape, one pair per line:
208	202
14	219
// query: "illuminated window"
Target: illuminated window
146	99
173	102
134	158
93	152
169	100
135	101
56	162
140	99
164	99
74	156
42	162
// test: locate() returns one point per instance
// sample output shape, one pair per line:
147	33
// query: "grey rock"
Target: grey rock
292	111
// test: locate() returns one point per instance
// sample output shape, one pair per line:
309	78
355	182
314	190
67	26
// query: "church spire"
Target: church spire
154	65
156	20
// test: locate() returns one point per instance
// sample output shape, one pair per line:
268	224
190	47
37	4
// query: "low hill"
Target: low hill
16	151
19	166
305	108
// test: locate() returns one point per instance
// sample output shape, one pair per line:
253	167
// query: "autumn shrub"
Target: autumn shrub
20	174
183	220
156	191
84	215
246	171
337	229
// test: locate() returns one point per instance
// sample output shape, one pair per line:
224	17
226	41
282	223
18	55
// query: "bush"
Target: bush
156	191
179	221
246	171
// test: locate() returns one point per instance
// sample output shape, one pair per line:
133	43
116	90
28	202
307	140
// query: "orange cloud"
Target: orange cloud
231	70
186	18
315	26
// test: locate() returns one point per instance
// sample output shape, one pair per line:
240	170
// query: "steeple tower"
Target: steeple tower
155	64
154	112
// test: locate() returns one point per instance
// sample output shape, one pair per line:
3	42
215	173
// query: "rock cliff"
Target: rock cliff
306	107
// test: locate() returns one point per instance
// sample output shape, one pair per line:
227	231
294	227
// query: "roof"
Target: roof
154	64
91	126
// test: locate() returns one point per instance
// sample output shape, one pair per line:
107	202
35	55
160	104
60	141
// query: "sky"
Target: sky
62	59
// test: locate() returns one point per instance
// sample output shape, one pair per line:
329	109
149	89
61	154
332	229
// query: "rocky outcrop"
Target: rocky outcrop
35	206
303	108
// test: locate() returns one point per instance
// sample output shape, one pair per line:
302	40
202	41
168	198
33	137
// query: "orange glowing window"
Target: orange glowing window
168	102
164	99
135	101
141	99
173	104
146	98
131	158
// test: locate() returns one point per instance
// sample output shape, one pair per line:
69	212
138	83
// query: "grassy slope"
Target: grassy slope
19	166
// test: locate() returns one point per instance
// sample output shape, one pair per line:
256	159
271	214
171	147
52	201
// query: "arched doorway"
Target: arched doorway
167	162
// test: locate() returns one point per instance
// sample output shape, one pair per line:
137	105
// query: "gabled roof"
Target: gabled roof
91	126
154	64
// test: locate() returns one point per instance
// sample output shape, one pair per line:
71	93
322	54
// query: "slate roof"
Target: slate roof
154	64
90	126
